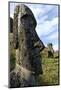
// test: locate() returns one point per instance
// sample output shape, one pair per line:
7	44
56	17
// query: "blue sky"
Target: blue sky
47	22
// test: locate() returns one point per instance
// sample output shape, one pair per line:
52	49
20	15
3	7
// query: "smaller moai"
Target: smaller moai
50	50
27	46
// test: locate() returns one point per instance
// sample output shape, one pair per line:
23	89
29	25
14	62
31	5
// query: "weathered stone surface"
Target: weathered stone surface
21	77
28	47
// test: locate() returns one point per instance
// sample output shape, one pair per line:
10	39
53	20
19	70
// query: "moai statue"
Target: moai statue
50	50
28	47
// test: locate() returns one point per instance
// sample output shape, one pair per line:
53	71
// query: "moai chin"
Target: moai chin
28	44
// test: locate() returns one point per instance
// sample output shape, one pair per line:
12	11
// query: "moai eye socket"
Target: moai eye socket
27	21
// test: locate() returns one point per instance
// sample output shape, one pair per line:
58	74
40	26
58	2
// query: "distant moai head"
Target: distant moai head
50	50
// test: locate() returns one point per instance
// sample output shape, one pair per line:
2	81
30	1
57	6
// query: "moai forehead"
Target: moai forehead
24	11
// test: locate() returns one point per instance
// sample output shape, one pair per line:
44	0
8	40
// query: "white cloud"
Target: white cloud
47	26
53	36
54	21
55	46
11	15
40	9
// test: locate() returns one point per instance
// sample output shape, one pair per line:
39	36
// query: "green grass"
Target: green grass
50	72
50	68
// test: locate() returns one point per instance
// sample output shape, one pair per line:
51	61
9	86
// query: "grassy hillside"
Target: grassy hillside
50	72
50	67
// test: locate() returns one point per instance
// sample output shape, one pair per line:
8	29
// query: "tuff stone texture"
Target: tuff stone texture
28	46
